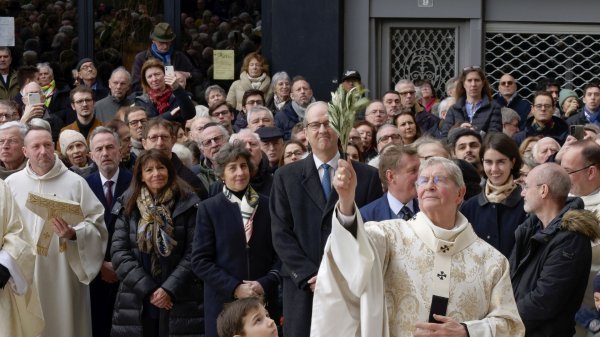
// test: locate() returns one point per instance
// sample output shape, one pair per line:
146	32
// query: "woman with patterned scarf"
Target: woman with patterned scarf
497	211
254	75
151	253
163	96
233	253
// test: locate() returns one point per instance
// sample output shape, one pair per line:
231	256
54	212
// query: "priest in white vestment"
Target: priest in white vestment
63	274
20	311
428	275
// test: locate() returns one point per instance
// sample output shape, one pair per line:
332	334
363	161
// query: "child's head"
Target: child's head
246	317
597	291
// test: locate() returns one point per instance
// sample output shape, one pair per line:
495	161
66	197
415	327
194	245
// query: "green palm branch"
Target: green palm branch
342	111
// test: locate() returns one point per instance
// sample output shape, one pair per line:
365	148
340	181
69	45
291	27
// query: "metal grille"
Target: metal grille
529	57
423	53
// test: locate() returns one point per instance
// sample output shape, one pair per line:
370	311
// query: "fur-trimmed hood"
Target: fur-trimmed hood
582	221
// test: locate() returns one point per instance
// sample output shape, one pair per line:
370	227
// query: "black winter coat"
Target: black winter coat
487	118
496	223
549	269
137	285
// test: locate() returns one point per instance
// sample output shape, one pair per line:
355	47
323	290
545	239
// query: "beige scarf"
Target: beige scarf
155	227
498	194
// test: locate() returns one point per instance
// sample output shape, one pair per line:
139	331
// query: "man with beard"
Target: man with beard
465	144
82	101
293	111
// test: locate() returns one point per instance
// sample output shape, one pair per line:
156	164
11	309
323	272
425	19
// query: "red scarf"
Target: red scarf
160	99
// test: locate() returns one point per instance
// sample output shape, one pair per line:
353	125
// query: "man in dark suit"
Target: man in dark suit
302	203
108	183
398	171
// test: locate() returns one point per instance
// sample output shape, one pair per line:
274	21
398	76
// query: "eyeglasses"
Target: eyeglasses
581	169
404	93
85	100
437	180
155	138
316	126
469	68
507	83
296	153
217	140
387	138
9	141
6	116
220	113
139	121
543	106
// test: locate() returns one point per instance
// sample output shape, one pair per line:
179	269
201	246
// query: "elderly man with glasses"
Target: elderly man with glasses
508	96
430	275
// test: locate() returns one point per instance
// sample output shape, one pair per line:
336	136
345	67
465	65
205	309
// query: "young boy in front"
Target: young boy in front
246	317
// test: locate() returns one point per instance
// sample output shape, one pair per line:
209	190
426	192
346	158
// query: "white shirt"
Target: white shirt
103	180
333	163
396	205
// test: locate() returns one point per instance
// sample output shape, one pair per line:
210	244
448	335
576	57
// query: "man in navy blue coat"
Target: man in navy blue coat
301	203
398	171
108	183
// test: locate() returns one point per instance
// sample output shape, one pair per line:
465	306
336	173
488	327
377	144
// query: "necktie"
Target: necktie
326	181
405	213
108	192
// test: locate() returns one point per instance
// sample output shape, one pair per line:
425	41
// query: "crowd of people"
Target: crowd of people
465	215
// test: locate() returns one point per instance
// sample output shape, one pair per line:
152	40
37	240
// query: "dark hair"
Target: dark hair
177	185
159	122
590	151
231	152
455	134
218	105
26	74
115	124
542	93
358	124
252	92
460	88
230	321
545	82
133	109
411	114
592	84
420	83
291	141
80	89
390	92
502	143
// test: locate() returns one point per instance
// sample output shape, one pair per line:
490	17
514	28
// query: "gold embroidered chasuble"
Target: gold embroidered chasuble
382	282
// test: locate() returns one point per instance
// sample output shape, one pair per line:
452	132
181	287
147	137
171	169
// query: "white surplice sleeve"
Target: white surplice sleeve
349	298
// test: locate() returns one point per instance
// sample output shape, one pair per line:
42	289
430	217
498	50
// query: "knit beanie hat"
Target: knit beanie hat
564	94
67	137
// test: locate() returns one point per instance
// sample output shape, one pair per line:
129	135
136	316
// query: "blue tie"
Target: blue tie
405	213
326	181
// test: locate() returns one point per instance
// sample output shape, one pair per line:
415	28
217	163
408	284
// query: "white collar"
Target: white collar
103	180
396	205
333	162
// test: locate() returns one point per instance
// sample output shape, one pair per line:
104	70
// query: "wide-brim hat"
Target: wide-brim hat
162	32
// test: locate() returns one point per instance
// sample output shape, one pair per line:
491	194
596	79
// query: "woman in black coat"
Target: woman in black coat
151	253
474	107
497	211
233	253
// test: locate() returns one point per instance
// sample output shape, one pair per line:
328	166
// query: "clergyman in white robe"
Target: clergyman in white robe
381	282
62	278
20	311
